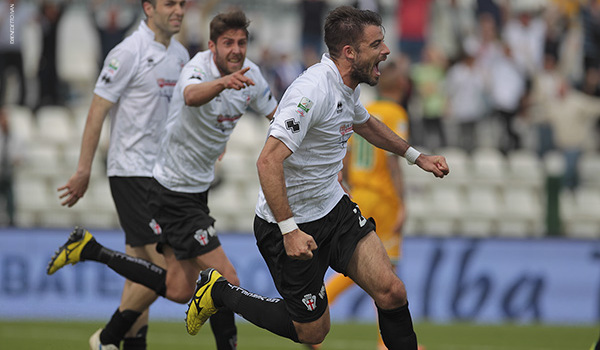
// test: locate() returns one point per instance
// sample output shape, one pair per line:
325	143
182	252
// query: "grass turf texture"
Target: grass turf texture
25	335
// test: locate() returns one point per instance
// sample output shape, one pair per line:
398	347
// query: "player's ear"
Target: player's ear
349	52
212	46
148	8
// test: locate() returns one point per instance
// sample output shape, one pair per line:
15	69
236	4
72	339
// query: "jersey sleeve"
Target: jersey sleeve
297	111
192	74
263	103
360	112
119	68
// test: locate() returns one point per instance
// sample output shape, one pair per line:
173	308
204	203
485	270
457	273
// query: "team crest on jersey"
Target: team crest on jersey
310	301
155	227
203	235
197	74
339	108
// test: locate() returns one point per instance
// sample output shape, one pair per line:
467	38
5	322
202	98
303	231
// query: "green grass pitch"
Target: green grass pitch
25	335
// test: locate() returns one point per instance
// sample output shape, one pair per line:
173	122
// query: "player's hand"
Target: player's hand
433	164
237	80
299	245
74	189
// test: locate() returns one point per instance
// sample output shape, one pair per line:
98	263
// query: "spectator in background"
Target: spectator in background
590	20
312	14
548	86
428	77
465	91
451	22
573	115
413	18
10	157
495	9
197	15
112	22
507	90
15	15
51	90
286	69
525	34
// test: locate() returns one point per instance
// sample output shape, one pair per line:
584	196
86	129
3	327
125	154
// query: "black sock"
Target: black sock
397	329
223	327
139	271
268	313
96	252
119	324
134	269
138	342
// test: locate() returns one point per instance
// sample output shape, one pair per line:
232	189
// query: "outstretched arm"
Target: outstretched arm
378	134
199	94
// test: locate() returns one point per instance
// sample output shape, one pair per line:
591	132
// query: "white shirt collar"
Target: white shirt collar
326	59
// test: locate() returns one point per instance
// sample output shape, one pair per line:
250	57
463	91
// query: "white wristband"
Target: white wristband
411	155
286	226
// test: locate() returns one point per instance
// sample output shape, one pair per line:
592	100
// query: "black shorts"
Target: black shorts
300	282
130	195
183	220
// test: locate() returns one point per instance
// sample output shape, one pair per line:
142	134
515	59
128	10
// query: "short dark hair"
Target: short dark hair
234	19
344	26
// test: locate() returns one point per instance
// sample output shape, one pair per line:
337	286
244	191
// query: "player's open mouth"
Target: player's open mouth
376	69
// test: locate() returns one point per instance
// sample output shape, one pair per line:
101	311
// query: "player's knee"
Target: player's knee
392	296
315	335
179	293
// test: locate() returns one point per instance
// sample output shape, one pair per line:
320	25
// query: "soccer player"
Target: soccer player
304	221
374	176
213	91
134	88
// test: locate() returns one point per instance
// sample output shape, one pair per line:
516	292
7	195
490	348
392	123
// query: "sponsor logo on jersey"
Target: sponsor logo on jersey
155	227
339	108
165	82
310	301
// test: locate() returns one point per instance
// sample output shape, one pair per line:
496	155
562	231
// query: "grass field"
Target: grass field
26	335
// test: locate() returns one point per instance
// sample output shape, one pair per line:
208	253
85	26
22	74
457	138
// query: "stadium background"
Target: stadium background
496	242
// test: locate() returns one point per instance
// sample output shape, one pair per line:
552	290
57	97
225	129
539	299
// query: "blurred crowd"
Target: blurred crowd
507	74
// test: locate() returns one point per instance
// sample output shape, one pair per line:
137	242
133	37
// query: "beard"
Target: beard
221	63
363	73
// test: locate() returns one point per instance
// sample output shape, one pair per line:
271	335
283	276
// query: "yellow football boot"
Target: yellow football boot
69	253
201	307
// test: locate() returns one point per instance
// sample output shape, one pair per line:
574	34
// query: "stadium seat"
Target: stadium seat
481	209
589	169
489	166
521	214
460	165
55	125
525	169
21	122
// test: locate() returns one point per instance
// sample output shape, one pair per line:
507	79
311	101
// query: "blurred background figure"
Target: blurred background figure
428	76
465	91
51	89
15	15
312	15
412	27
112	22
10	157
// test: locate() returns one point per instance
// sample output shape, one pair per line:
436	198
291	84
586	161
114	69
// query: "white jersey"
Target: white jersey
196	136
138	76
314	120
